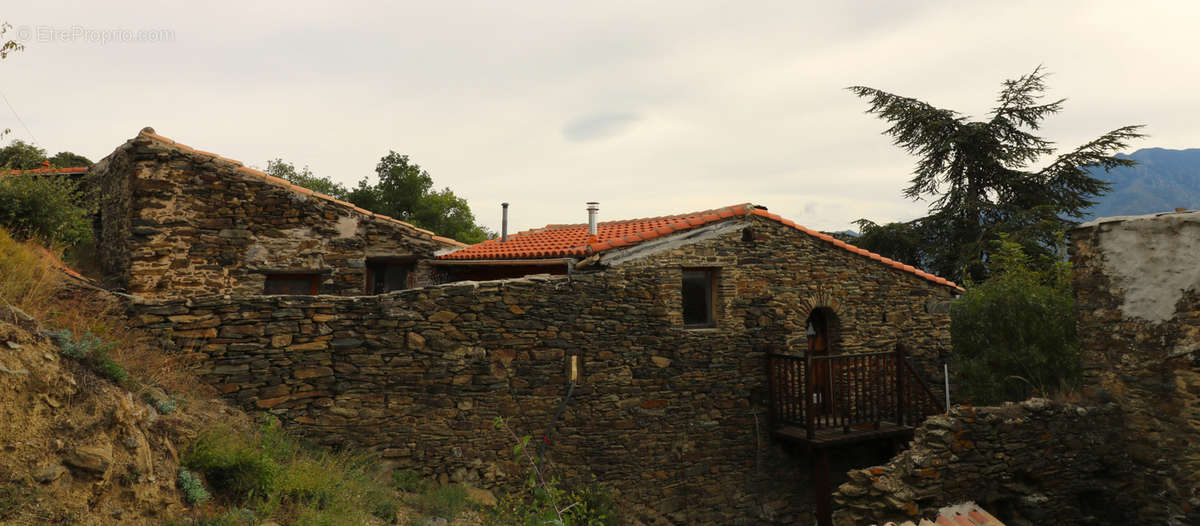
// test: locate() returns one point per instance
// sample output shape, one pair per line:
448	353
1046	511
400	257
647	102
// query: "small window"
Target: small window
291	284
385	276
698	298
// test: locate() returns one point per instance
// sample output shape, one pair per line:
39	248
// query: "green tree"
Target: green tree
980	176
405	191
47	208
304	177
20	155
69	160
1014	335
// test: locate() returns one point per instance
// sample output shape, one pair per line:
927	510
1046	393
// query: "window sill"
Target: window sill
702	328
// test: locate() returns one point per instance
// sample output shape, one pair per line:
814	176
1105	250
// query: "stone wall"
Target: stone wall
177	222
1137	294
674	418
1031	463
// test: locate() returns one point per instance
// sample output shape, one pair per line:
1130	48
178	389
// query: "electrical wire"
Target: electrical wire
14	112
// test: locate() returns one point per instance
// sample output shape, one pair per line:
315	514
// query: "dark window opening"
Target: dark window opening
387	276
747	234
698	298
291	284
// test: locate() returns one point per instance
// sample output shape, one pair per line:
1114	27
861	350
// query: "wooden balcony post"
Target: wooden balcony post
899	384
808	395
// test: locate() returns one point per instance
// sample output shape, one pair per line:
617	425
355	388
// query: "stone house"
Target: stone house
178	222
650	338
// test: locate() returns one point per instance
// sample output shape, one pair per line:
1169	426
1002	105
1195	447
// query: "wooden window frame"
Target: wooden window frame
712	275
373	265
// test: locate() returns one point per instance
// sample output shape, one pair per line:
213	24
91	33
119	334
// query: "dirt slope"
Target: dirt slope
76	448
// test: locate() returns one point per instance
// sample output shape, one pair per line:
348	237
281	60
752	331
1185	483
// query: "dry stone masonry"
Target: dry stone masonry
1137	294
1032	463
177	222
671	417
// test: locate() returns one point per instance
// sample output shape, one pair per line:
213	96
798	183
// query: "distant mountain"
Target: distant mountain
1162	181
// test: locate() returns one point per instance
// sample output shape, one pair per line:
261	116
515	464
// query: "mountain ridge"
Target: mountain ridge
1164	179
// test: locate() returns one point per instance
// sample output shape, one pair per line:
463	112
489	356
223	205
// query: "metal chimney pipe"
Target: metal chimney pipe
593	208
504	223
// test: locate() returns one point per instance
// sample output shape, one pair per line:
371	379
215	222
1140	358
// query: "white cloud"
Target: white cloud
649	108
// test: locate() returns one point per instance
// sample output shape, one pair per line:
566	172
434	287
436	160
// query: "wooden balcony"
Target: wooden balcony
822	401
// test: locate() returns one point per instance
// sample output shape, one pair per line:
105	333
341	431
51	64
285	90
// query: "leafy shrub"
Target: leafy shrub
409	481
444	501
93	352
271	472
192	487
47	208
1014	334
546	501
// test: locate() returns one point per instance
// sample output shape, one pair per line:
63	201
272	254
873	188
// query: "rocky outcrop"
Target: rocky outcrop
77	449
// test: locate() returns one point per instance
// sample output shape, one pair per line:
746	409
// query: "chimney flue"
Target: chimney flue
593	208
504	223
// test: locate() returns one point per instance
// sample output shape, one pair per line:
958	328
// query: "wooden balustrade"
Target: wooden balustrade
850	392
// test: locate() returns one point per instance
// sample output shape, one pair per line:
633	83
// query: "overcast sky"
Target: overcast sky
650	108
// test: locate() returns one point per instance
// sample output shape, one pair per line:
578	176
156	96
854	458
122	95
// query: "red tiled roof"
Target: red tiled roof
968	514
573	240
245	170
50	170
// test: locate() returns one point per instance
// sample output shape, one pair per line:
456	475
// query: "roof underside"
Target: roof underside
573	241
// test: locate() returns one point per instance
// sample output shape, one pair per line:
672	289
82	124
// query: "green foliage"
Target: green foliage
165	407
409	481
1014	335
192	487
10	501
545	501
272	473
304	177
48	208
443	501
405	192
69	160
20	155
980	178
93	352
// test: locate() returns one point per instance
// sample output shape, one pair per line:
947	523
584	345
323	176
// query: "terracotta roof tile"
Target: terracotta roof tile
49	170
149	133
566	240
967	514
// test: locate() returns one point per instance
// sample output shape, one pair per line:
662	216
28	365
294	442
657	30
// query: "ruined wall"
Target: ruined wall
177	222
674	418
1137	294
1035	462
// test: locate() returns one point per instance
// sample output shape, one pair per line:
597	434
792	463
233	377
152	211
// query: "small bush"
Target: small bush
272	473
93	352
409	481
47	208
444	501
192	487
1014	334
165	407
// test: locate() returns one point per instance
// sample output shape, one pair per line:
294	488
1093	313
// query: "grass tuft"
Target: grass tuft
276	475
